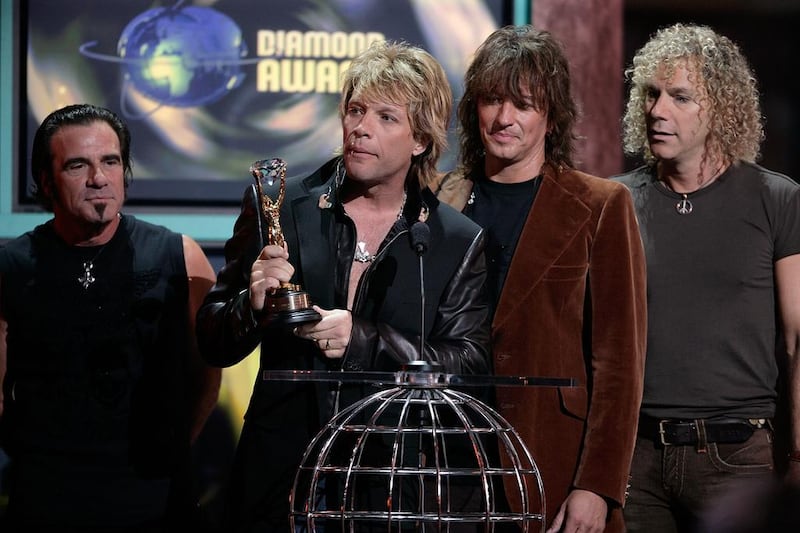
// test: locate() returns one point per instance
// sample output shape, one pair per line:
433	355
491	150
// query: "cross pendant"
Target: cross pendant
87	278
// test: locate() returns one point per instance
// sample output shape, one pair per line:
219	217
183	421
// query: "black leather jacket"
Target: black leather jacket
386	310
284	416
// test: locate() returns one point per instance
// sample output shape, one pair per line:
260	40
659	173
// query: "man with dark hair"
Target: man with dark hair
566	275
104	390
722	241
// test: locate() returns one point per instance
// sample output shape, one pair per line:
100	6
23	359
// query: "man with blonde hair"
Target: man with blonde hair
347	233
722	241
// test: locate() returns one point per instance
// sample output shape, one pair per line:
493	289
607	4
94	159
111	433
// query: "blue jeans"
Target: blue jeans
673	487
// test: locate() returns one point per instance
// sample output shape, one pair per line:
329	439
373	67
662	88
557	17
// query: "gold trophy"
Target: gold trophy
289	304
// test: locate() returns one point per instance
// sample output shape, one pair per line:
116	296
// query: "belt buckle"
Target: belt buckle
661	433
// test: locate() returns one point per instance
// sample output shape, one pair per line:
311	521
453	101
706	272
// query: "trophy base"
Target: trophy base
291	318
289	306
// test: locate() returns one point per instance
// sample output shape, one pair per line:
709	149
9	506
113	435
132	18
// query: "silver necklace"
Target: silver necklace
684	205
362	255
88	276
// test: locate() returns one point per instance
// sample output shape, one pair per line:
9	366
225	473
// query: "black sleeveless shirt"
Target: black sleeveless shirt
93	408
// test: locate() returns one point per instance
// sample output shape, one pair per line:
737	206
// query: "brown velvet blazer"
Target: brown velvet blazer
573	305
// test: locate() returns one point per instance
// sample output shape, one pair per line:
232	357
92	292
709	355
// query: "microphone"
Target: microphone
420	238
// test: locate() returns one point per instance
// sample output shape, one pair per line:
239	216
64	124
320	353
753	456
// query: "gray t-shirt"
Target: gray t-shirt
712	328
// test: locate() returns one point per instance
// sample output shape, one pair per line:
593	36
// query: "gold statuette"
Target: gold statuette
288	305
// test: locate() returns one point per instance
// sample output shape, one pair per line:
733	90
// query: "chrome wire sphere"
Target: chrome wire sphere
418	456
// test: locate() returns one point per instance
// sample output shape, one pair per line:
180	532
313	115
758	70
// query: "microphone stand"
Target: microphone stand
420	237
422	309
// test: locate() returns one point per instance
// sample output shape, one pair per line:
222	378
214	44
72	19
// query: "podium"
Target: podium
420	454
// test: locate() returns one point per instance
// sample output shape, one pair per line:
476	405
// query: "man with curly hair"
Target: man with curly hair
722	241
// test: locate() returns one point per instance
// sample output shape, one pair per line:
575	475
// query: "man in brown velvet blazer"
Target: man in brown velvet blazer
566	276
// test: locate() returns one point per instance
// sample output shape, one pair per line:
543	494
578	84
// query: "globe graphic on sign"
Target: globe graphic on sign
180	56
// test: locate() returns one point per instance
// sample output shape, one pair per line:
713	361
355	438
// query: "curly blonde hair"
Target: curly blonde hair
405	74
725	77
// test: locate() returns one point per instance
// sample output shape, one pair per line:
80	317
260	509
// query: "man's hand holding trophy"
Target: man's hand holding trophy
288	305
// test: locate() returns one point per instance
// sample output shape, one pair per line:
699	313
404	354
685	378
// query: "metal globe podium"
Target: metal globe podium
418	455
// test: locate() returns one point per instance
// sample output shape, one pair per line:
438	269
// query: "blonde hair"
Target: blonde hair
405	74
722	73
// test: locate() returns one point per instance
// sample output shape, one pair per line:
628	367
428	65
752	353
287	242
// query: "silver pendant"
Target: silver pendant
87	278
362	255
684	206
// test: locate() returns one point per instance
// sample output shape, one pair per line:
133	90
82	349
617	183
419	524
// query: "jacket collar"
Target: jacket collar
556	216
418	203
313	212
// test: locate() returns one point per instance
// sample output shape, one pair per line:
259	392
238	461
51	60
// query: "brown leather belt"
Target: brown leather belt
671	432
